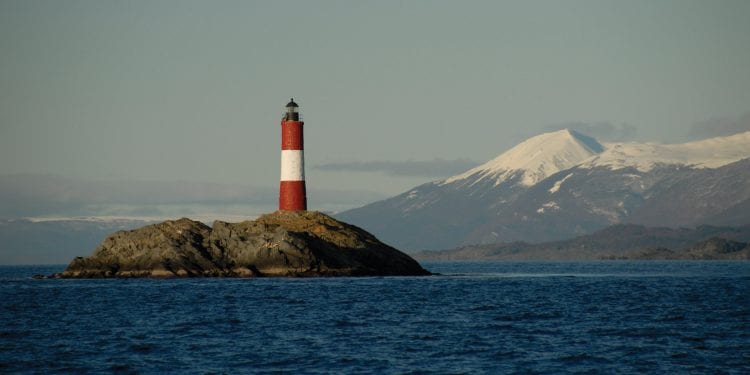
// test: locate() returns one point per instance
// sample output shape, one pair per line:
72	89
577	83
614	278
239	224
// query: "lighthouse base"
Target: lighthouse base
292	196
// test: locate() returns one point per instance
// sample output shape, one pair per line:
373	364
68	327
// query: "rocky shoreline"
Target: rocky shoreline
281	244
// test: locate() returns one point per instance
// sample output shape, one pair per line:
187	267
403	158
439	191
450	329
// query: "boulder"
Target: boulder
284	243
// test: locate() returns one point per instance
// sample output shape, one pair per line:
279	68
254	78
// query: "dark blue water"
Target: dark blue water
613	317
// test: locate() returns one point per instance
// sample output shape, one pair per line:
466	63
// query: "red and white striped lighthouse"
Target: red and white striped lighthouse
292	196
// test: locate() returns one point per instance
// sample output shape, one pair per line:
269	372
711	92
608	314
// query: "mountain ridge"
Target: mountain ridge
707	153
556	186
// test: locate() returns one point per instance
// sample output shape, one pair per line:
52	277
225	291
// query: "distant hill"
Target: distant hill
564	184
615	242
712	249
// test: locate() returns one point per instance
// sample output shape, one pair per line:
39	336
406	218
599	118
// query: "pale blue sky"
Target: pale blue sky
193	90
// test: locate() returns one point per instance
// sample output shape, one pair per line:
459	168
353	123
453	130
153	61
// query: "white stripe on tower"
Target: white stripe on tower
292	165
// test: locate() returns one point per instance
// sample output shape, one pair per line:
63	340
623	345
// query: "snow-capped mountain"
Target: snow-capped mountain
536	158
708	153
561	184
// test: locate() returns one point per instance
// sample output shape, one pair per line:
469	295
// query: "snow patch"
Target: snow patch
612	217
549	206
557	184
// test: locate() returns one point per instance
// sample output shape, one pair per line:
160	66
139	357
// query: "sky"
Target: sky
156	97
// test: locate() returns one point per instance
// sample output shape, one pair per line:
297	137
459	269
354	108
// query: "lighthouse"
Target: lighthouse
292	196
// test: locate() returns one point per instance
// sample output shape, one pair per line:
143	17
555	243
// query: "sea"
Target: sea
471	318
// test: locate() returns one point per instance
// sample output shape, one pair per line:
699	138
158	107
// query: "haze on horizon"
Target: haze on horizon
173	93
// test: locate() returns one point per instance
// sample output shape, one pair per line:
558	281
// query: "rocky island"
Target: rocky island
283	243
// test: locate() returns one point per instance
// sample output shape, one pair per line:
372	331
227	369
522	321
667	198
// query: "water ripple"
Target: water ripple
494	318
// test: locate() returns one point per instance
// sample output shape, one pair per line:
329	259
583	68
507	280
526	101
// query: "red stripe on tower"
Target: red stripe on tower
292	196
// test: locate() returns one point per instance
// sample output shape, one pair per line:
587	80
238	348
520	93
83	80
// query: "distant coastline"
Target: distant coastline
618	242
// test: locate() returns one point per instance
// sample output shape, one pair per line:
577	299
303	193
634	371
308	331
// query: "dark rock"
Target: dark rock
279	244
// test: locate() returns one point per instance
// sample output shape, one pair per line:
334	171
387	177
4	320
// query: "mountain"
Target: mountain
622	241
564	184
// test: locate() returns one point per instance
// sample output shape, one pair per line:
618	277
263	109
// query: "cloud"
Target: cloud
409	168
603	131
718	127
51	195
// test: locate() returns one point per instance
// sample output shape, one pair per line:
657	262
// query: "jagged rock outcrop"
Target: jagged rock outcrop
279	244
